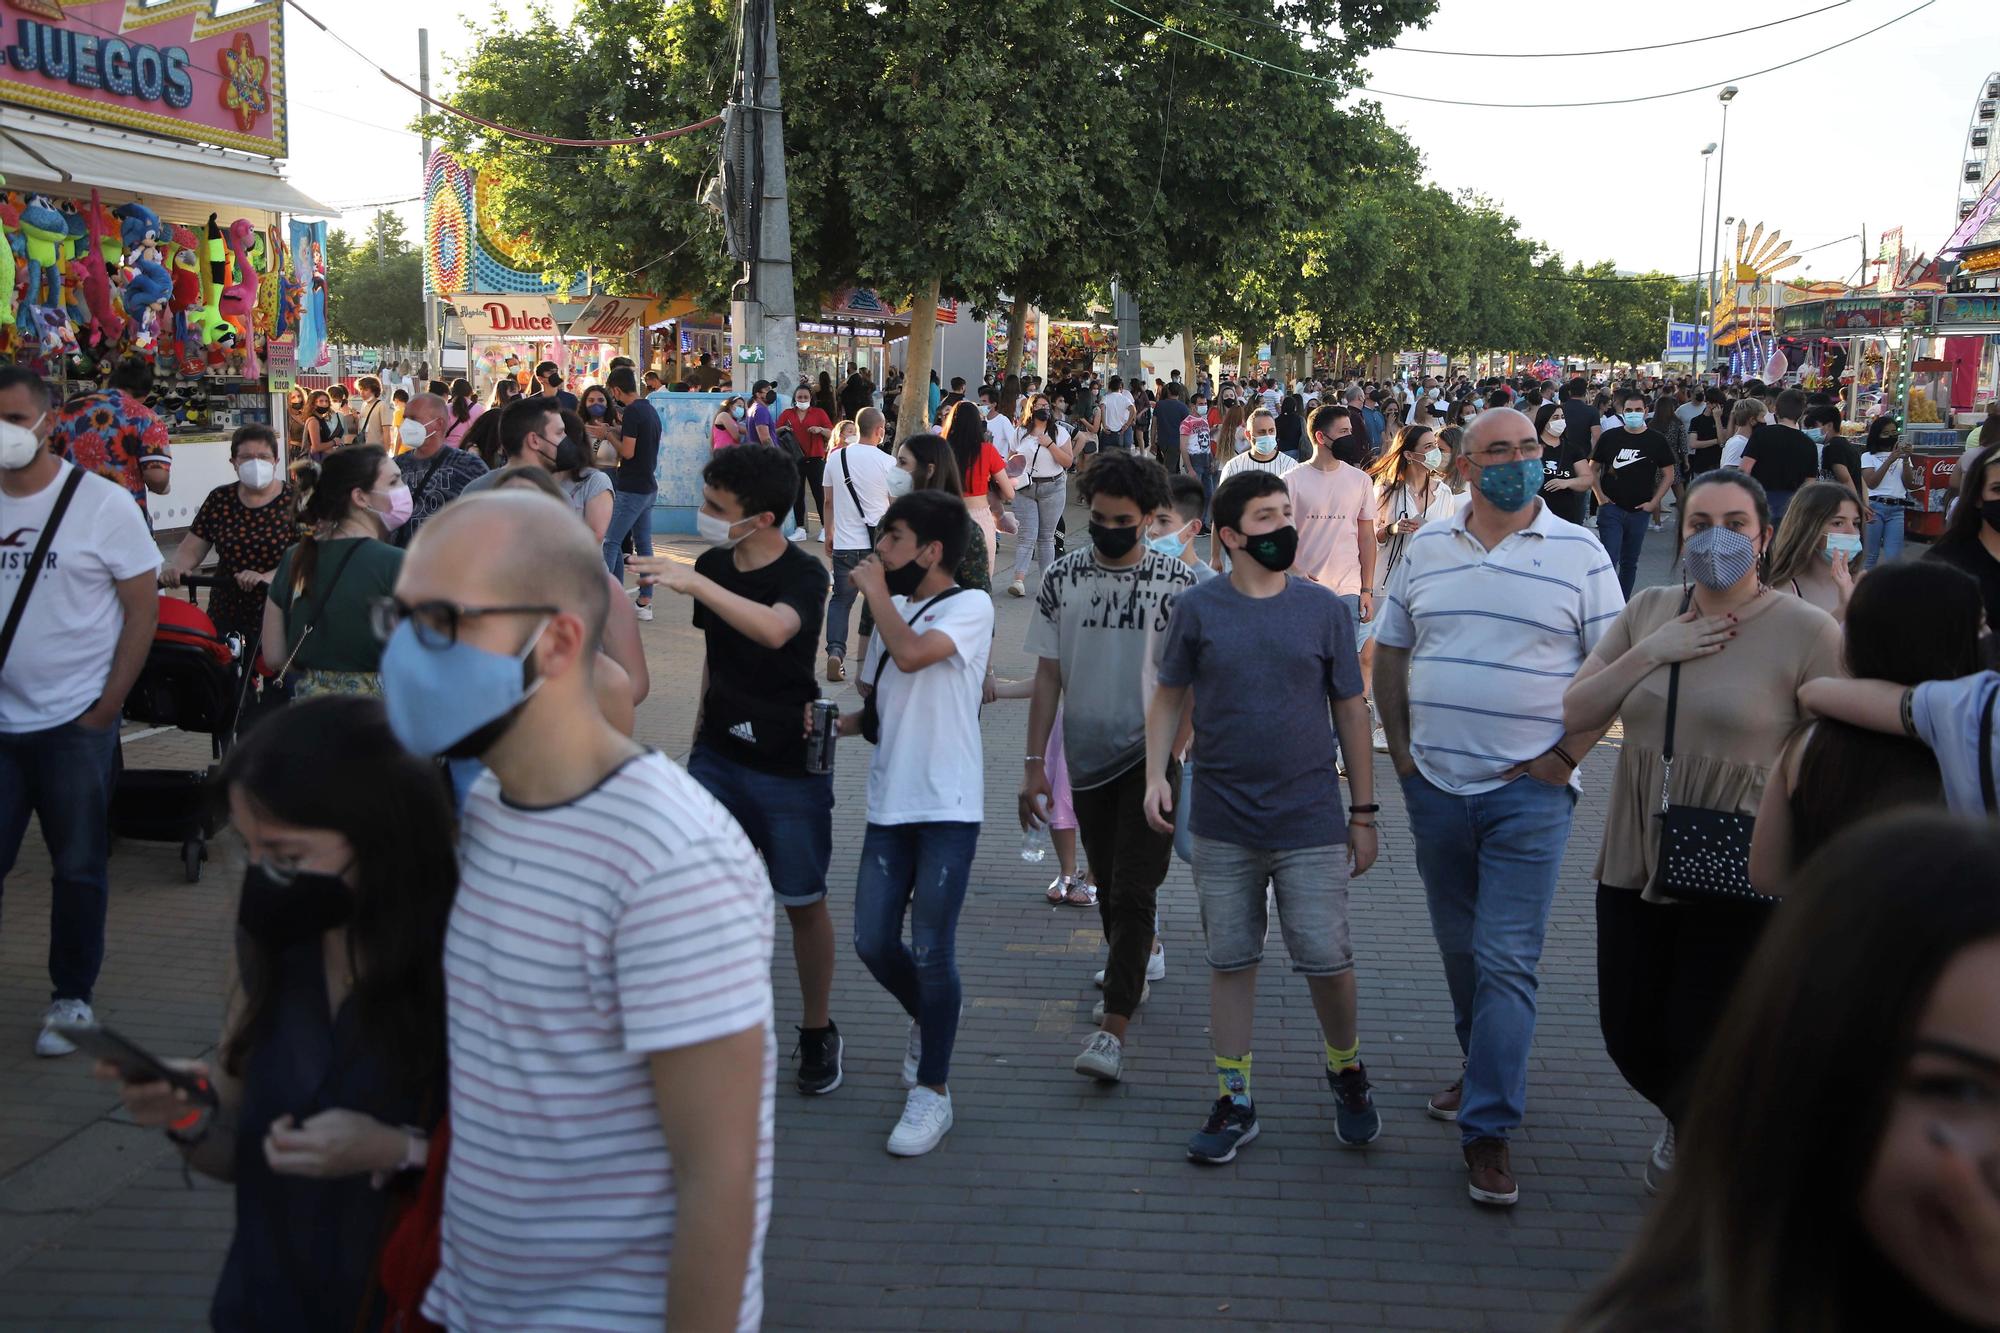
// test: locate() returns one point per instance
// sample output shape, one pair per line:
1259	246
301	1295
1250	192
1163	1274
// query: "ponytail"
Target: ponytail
329	501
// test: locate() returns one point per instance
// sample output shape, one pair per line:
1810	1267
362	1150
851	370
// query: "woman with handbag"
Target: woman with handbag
1706	678
331	1065
317	626
1039	466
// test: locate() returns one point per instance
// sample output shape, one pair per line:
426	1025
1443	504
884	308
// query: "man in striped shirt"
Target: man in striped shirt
1487	617
607	965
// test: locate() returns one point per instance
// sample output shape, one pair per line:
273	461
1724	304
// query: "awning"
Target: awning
44	149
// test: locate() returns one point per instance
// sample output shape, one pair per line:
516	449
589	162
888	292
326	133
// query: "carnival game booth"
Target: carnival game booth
144	214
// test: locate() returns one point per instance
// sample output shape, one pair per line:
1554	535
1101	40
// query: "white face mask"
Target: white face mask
256	473
717	531
802	403
1556	424
899	483
18	444
414	434
1433	458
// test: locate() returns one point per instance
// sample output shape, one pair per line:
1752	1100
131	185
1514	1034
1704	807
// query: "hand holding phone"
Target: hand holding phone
162	1090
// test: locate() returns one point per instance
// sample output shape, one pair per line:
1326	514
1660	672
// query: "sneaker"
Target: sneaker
1444	1105
799	535
1018	588
1103	1058
913	1052
1660	1162
1356	1122
75	1013
1145	994
926	1118
1489	1178
1156	968
1229	1126
819	1060
1379	740
643	610
836	669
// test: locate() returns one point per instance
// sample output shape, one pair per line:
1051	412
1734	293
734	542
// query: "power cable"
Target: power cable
1344	86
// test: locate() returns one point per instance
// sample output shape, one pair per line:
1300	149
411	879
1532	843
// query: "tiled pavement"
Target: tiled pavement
1052	1204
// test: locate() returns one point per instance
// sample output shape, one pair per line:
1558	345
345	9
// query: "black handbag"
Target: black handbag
1704	854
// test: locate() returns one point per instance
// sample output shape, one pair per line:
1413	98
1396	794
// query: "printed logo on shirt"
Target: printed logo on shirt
744	732
1627	457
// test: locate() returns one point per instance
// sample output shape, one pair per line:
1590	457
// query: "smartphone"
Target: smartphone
135	1064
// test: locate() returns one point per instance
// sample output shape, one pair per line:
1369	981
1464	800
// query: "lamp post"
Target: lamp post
1726	96
1700	226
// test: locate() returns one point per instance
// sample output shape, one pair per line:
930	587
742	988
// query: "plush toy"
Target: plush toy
10	220
45	231
137	224
309	269
239	298
206	321
105	231
107	324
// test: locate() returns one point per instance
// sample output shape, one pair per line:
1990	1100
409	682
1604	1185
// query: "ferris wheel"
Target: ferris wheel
1982	146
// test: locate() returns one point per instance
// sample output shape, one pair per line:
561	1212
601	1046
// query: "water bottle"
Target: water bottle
1035	842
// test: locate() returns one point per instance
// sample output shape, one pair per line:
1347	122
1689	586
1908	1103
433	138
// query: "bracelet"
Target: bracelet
1361	823
1907	709
191	1129
1562	754
1364	809
1031	759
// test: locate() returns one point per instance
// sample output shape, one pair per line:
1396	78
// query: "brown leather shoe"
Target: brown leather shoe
1489	1177
836	669
1444	1105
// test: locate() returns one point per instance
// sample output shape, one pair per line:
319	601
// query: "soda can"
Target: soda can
819	740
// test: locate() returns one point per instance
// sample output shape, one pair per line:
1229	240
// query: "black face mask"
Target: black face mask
1989	510
1113	543
1274	550
278	914
1347	449
903	580
571	456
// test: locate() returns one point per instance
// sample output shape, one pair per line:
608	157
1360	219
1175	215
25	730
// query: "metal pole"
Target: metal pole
433	351
1715	255
767	317
1700	225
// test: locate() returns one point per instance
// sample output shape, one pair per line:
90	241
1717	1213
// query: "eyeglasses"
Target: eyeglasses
1503	452
437	623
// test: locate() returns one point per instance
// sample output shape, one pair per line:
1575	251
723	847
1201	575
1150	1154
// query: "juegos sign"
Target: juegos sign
177	69
505	316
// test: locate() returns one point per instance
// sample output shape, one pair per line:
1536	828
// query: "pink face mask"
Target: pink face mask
400	506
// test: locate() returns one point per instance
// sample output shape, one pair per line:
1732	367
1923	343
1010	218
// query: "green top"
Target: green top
341	639
973	571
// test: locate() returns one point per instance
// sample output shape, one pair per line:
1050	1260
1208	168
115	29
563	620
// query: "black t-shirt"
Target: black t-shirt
1785	458
1578	417
1167	419
1973	559
754	710
1629	463
1841	452
1704	445
1559	461
638	421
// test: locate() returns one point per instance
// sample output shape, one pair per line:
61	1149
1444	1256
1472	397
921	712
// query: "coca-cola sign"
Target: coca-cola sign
525	317
609	318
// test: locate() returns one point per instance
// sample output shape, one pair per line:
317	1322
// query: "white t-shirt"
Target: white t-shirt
1002	432
868	468
1042	465
1117	409
1732	450
928	765
585	937
1891	486
62	650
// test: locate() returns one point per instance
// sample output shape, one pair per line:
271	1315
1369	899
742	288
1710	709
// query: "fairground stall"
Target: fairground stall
145	213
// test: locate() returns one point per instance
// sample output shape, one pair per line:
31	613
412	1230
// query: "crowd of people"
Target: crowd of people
494	953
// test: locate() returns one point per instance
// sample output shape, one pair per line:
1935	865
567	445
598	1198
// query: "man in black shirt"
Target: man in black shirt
758	601
634	487
1635	466
1581	423
548	384
1782	456
1168	415
1839	460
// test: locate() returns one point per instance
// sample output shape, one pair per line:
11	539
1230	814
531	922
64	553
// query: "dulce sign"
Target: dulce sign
609	318
167	67
505	316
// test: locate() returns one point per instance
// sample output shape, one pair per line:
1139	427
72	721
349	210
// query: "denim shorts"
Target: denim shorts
789	820
1311	886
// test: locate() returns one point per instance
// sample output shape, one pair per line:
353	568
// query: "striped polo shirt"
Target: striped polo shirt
1494	638
635	919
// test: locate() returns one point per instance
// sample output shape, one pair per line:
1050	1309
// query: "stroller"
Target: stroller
194	679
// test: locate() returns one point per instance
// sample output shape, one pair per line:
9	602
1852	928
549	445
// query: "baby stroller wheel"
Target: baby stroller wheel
193	852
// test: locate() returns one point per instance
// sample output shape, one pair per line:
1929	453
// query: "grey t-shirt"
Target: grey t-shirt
1104	627
1252	660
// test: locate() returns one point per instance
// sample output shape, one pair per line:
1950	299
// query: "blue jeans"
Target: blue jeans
1780	502
1202	467
789	820
844	596
631	512
64	775
1882	539
921	869
1039	507
1489	865
1623	532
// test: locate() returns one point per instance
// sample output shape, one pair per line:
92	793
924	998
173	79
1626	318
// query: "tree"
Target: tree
375	287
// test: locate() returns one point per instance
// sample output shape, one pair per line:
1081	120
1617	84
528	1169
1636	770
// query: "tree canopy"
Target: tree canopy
375	287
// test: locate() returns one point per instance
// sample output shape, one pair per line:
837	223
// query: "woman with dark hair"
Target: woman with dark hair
1890	475
483	439
1568	471
1733	653
464	410
823	397
600	417
317	618
1972	535
1814	553
1885	1212
725	427
1705	434
1666	422
322	431
980	466
332	1064
932	465
248	523
505	390
1292	427
1908	623
584	485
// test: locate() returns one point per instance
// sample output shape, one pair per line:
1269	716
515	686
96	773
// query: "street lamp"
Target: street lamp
1726	96
1700	226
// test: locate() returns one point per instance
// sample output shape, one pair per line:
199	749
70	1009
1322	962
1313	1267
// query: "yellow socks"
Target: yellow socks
1232	1079
1337	1060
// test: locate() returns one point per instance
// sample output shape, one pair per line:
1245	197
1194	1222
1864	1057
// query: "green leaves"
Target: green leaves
375	287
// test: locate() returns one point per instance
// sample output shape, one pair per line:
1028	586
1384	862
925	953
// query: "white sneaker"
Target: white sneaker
913	1051
1660	1162
1379	741
1156	968
1103	1058
1018	588
1145	994
799	534
643	610
75	1013
926	1118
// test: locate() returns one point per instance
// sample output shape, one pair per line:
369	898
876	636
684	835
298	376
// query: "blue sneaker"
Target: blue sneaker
1229	1126
1355	1120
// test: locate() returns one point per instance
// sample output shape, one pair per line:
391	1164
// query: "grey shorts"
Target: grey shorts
1311	888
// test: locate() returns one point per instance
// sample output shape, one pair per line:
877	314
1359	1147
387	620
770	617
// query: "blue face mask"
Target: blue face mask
1814	433
1846	543
1170	545
455	700
1634	421
595	409
1511	487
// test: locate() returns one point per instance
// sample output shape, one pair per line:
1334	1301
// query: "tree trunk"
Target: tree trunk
1188	361
1017	335
913	412
1239	360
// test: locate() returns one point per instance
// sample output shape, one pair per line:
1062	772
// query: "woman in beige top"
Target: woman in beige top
1665	969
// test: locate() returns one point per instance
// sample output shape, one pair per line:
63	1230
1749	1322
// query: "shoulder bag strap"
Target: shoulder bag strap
361	435
32	575
313	619
883	660
429	472
847	477
1986	788
1673	706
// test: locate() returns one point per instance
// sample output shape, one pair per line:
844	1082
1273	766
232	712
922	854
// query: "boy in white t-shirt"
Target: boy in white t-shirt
923	679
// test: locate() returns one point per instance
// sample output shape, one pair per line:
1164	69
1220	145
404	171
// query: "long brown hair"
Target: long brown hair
1799	542
331	500
1223	442
1387	468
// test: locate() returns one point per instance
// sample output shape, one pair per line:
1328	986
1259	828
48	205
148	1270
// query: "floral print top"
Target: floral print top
114	435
